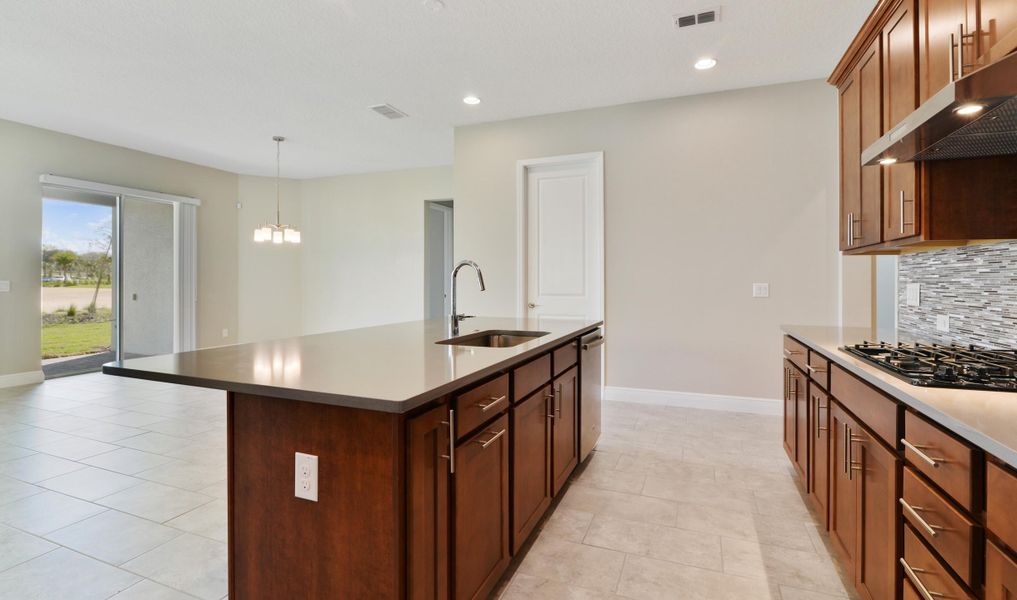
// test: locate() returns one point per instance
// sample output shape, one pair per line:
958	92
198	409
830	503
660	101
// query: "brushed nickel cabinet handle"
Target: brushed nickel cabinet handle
819	428
451	456
486	443
913	511
933	462
489	405
912	575
902	211
953	64
851	229
960	49
813	370
853	466
847	450
789	353
558	392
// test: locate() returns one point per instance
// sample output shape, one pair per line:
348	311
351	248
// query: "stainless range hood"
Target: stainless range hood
972	117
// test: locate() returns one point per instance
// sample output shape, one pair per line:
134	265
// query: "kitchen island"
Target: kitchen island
434	462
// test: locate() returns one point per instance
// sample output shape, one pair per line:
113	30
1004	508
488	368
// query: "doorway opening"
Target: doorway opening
118	274
438	257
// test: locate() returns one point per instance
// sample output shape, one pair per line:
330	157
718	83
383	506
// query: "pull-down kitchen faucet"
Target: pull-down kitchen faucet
455	317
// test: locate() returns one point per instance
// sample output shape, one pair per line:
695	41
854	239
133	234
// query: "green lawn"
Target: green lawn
72	339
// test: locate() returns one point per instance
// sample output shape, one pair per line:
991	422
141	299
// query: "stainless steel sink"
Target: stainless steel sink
494	338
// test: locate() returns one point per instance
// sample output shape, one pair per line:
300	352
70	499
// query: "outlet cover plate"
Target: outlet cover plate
305	476
760	290
943	323
914	294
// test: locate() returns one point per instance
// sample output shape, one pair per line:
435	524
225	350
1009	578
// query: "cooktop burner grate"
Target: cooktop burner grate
933	365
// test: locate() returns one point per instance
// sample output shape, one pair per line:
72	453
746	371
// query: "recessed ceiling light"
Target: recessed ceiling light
969	109
887	161
471	100
705	63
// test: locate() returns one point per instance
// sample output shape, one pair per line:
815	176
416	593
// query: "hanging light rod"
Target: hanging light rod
277	232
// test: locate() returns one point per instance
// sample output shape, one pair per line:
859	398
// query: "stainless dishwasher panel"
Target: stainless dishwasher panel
592	390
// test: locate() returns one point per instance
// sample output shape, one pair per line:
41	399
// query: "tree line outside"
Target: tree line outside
74	330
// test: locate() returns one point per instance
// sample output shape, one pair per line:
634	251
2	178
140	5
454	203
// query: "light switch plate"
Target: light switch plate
305	476
5	286
760	290
914	293
943	323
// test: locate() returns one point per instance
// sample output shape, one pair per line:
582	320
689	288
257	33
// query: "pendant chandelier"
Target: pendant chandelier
277	232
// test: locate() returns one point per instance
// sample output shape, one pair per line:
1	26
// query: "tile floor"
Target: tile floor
114	488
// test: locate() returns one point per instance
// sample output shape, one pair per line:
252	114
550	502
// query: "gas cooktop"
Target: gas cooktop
934	365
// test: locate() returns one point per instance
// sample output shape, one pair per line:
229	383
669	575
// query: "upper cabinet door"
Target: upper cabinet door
868	226
900	98
997	29
850	164
940	23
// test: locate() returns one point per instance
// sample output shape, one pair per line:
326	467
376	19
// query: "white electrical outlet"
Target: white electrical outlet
760	290
225	333
943	323
305	476
914	294
5	286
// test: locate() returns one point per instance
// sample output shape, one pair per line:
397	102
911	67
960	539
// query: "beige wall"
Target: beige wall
27	152
363	253
704	195
269	302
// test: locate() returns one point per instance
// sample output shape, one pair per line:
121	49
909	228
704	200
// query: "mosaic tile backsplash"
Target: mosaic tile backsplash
975	285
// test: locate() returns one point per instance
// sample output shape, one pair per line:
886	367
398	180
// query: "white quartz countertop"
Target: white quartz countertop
390	368
986	419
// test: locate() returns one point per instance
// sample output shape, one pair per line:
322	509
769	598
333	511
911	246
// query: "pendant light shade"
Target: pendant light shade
277	232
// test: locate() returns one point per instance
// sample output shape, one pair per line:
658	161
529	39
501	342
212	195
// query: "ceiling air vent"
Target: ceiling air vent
388	111
702	17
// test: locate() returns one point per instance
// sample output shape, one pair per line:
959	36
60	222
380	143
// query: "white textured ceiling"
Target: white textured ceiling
210	81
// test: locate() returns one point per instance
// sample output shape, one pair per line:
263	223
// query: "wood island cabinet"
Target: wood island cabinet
427	483
531	461
481	497
565	434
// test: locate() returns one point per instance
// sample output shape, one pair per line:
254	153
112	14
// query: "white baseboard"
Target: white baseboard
759	406
26	378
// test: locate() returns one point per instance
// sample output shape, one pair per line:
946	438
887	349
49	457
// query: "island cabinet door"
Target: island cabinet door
427	503
565	456
531	464
843	501
481	506
1000	574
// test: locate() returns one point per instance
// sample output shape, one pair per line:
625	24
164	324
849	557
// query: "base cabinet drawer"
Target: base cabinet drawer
1000	509
948	531
531	376
1000	574
878	412
926	573
481	404
796	352
945	460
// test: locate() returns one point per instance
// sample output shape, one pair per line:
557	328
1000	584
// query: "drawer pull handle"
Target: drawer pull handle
912	575
486	443
913	511
933	462
813	370
451	456
494	401
790	353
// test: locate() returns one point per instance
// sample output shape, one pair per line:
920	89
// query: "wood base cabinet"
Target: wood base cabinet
481	551
1000	574
819	464
531	464
427	483
565	430
796	420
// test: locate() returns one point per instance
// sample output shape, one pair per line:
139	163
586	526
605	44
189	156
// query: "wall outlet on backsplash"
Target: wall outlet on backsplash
943	323
914	294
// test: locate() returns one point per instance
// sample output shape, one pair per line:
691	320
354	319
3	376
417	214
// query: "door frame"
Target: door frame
591	159
448	223
185	245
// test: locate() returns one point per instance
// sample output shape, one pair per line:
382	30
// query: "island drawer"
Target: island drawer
565	357
1000	573
950	533
874	409
795	352
480	404
819	369
1000	516
531	376
946	461
924	570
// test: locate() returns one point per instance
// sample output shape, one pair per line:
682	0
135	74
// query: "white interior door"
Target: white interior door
562	268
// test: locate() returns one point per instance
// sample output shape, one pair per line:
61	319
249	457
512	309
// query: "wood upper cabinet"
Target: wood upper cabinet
850	165
565	428
900	99
939	29
874	470
997	30
481	551
531	464
819	459
427	488
861	124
